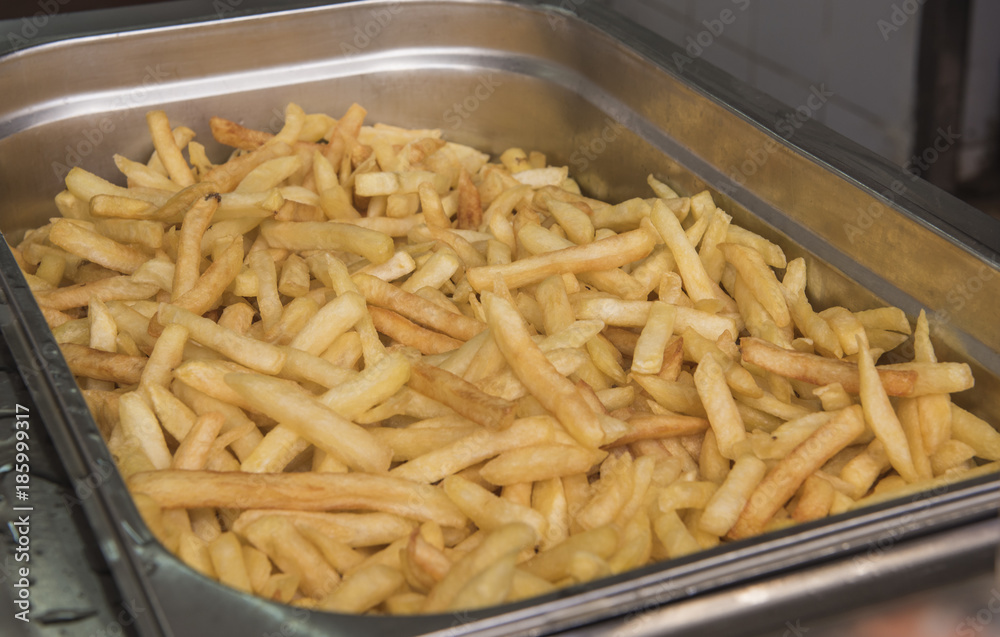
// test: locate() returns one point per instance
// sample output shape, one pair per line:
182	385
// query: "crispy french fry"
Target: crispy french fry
785	478
306	491
823	371
553	390
297	409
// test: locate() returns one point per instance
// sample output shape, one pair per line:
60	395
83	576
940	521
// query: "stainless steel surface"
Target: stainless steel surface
803	600
593	92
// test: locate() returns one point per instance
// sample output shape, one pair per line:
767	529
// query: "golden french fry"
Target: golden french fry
364	589
187	267
332	320
604	254
975	432
140	424
784	479
696	280
823	371
167	149
504	541
415	308
254	354
404	331
193	452
476	447
725	419
462	396
93	363
299	410
304	491
539	462
375	246
553	390
760	278
95	247
228	560
881	417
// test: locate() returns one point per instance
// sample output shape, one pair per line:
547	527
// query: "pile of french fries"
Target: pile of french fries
363	369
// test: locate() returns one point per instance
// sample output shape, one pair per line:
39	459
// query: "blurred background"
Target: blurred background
916	81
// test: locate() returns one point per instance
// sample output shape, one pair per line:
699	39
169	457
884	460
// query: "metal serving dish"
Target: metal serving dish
590	90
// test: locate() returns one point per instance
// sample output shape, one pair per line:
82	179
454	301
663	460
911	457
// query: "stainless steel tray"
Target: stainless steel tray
594	92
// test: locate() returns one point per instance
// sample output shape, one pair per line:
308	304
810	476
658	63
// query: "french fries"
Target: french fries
362	369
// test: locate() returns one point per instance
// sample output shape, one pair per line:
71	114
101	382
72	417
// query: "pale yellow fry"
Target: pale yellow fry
908	412
772	254
784	479
698	284
476	447
540	462
729	500
556	392
604	254
175	417
275	451
812	325
674	535
490	512
507	540
140	423
975	432
548	497
719	406
490	587
375	246
881	417
207	291
332	320
103	329
167	354
268	301
299	410
363	590
293	554
433	273
935	378
269	174
187	267
553	564
227	559
648	355
760	278
302	491
88	244
167	149
254	354
194	449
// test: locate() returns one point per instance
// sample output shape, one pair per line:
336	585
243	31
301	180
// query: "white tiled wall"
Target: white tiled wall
785	47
